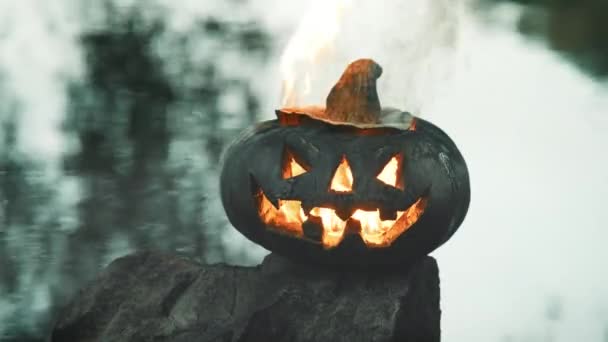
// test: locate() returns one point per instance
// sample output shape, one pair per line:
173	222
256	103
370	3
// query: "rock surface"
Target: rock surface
152	296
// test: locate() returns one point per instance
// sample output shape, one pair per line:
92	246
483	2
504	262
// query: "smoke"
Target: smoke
416	42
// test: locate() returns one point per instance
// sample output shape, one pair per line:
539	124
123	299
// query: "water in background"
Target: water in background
113	116
113	119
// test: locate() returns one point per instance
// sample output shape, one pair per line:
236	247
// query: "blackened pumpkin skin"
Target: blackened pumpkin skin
432	168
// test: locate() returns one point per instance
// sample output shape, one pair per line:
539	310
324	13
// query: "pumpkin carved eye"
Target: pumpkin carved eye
390	174
291	166
342	181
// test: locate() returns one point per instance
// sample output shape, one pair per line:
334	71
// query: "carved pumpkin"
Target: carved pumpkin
345	194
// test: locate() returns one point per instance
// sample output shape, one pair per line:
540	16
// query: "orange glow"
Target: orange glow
343	178
381	233
291	168
333	226
371	224
390	173
289	217
311	44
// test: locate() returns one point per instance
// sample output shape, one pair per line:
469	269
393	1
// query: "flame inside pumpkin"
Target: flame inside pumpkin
289	216
343	178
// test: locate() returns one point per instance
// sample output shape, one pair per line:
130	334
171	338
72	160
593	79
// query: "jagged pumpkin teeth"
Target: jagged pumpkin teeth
289	217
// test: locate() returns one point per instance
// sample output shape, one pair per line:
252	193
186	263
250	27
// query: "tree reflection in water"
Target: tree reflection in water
146	123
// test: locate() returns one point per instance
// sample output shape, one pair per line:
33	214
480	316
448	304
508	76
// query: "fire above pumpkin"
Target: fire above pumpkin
340	185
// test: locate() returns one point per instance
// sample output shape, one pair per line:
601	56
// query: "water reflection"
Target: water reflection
143	127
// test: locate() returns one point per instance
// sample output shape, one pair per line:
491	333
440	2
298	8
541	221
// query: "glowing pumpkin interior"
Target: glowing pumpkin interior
289	216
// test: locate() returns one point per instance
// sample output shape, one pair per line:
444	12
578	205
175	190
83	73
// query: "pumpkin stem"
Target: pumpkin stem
354	98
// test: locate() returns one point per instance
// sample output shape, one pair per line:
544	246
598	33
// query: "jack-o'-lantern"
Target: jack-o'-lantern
338	186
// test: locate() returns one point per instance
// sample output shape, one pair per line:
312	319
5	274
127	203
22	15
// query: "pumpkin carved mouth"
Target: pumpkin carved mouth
323	225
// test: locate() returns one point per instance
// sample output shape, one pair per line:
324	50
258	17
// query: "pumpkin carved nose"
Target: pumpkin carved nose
342	180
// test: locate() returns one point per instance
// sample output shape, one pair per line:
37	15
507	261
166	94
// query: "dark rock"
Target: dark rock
151	296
